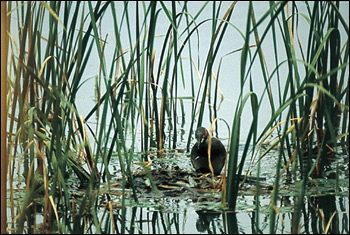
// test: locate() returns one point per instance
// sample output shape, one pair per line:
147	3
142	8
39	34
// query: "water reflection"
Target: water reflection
320	214
209	221
326	209
324	215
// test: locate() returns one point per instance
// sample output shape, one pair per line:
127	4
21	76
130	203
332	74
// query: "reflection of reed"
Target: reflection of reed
324	214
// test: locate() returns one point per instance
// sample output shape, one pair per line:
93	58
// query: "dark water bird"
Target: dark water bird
199	153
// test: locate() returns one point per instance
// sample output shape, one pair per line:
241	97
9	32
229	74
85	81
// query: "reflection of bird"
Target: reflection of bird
199	153
204	220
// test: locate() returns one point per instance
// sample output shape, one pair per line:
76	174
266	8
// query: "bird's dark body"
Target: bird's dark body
199	154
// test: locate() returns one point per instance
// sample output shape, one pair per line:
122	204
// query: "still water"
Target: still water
179	211
176	210
192	221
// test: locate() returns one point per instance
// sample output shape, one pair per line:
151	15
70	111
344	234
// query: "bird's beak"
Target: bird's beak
199	141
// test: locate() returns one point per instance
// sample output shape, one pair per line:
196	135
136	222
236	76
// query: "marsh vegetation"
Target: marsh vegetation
88	158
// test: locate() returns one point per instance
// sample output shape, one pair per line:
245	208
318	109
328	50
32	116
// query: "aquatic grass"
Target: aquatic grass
234	170
46	105
301	93
301	96
207	72
4	111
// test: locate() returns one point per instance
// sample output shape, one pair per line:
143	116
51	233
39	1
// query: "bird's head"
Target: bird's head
201	135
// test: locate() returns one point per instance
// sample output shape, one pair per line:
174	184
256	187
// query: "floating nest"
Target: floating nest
176	182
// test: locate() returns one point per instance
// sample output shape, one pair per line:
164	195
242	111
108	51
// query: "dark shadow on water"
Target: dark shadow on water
207	222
